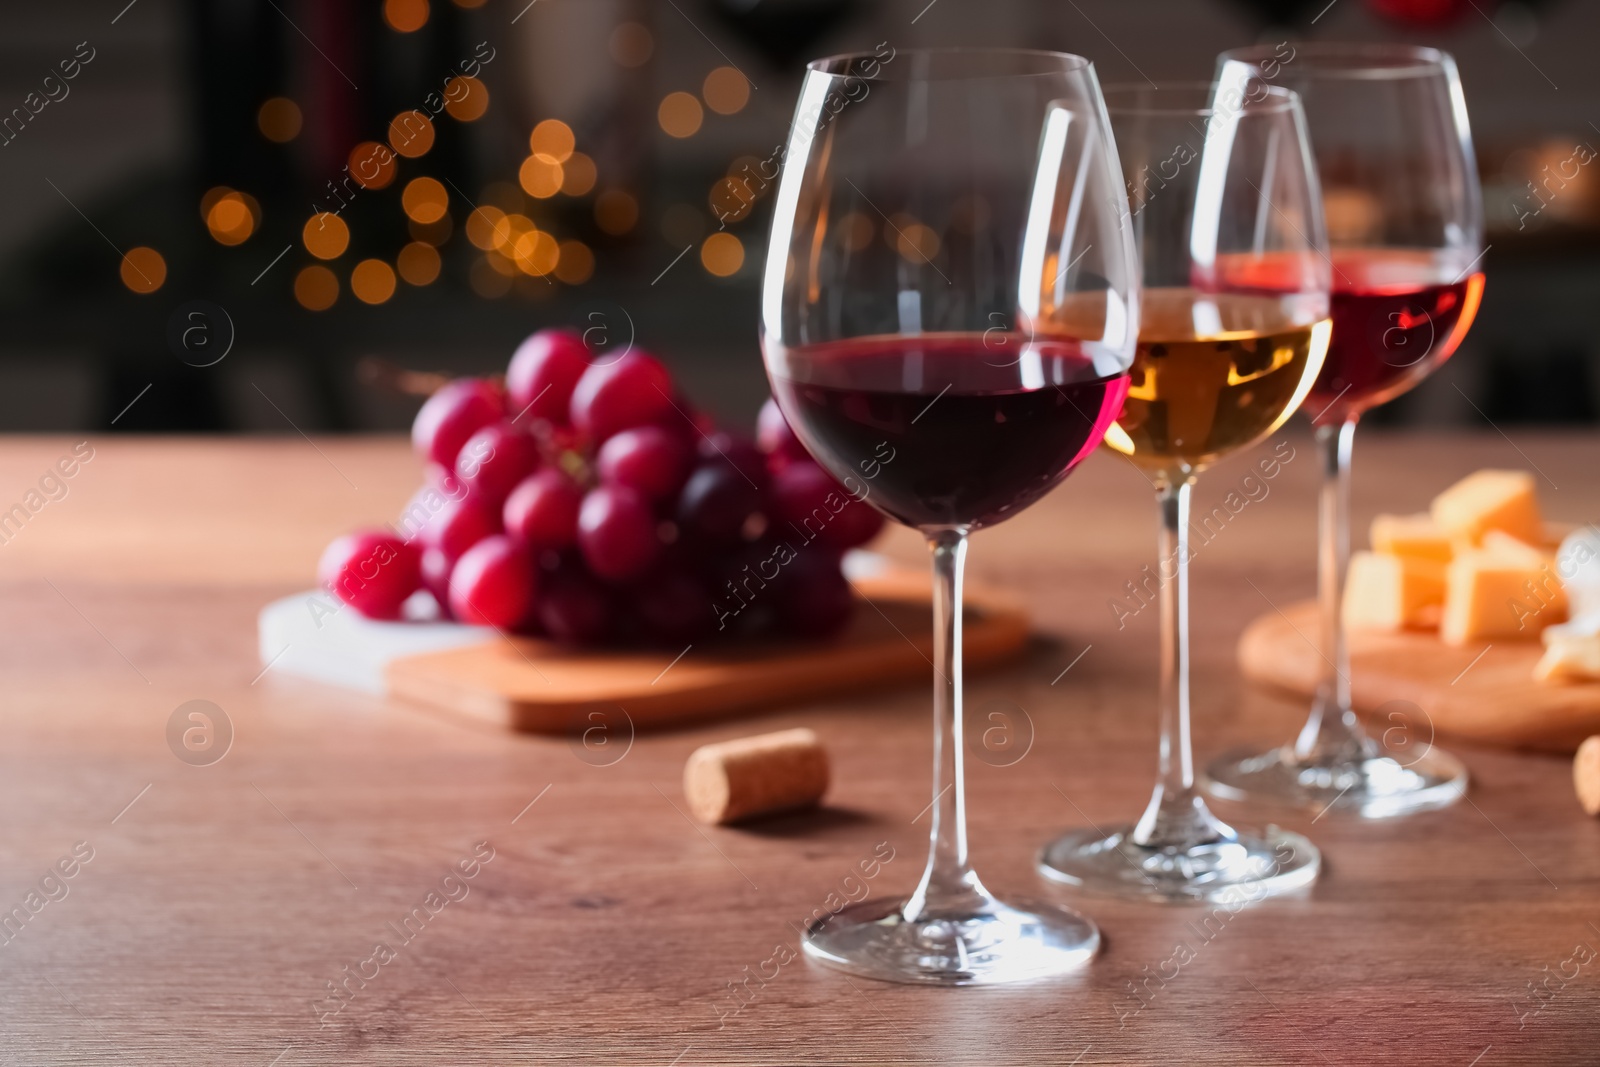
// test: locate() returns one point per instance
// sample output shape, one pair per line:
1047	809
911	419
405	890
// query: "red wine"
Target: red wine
1396	317
947	429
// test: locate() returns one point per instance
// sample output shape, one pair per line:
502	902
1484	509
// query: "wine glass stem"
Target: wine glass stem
1176	816
1332	734
949	888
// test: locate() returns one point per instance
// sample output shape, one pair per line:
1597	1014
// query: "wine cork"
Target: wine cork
1586	775
754	776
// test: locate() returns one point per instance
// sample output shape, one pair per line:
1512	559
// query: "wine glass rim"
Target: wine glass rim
1354	60
1046	62
1277	99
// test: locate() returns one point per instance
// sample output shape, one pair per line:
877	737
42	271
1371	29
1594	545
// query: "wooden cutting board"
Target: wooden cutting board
532	685
1488	697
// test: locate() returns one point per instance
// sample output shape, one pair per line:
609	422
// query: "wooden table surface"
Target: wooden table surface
222	902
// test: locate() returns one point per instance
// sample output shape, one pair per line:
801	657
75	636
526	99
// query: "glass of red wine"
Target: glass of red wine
1405	223
947	318
1233	328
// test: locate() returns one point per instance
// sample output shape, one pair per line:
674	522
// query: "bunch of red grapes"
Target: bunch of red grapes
584	500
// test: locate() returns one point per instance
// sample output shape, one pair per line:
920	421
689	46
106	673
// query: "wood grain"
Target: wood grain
607	928
543	687
1483	693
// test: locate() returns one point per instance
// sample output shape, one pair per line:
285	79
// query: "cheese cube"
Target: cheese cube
1411	535
1494	593
1490	500
1384	592
1514	550
1571	654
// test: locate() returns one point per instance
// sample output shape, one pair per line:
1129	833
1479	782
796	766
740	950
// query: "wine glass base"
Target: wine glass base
996	943
1377	787
1243	868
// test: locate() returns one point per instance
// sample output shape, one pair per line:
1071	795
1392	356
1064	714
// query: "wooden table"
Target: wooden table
223	901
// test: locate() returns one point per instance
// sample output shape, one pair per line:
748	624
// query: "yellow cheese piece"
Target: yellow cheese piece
1514	550
1568	658
1492	593
1490	500
1411	535
1384	592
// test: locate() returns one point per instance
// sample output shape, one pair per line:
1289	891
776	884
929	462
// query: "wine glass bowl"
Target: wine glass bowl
1233	327
1405	220
946	321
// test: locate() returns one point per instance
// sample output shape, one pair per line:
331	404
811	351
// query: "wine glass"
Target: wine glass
1405	219
1233	327
946	320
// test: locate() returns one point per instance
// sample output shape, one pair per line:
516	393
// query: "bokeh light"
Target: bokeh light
726	90
722	254
418	263
372	281
466	99
680	114
552	138
512	228
411	134
540	176
406	16
434	233
577	263
632	44
579	175
425	199
231	218
616	212
143	269
325	235
372	165
279	120
484	226
536	253
857	230
731	199
914	241
316	288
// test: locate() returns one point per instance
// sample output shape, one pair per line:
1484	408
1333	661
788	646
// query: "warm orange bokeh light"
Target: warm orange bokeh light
511	229
407	16
373	165
418	263
578	175
143	270
731	199
536	253
722	254
484	225
616	212
372	281
279	120
577	263
632	44
680	115
425	199
552	138
541	176
230	219
411	134
325	236
466	99
726	91
316	288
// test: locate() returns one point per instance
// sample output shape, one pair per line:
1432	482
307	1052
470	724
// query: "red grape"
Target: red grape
724	448
636	390
574	609
447	418
646	458
460	524
542	511
436	567
495	459
371	570
775	438
543	373
806	499
617	533
716	502
674	606
814	599
493	584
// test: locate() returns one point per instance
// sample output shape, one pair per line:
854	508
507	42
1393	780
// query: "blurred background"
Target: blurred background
279	215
